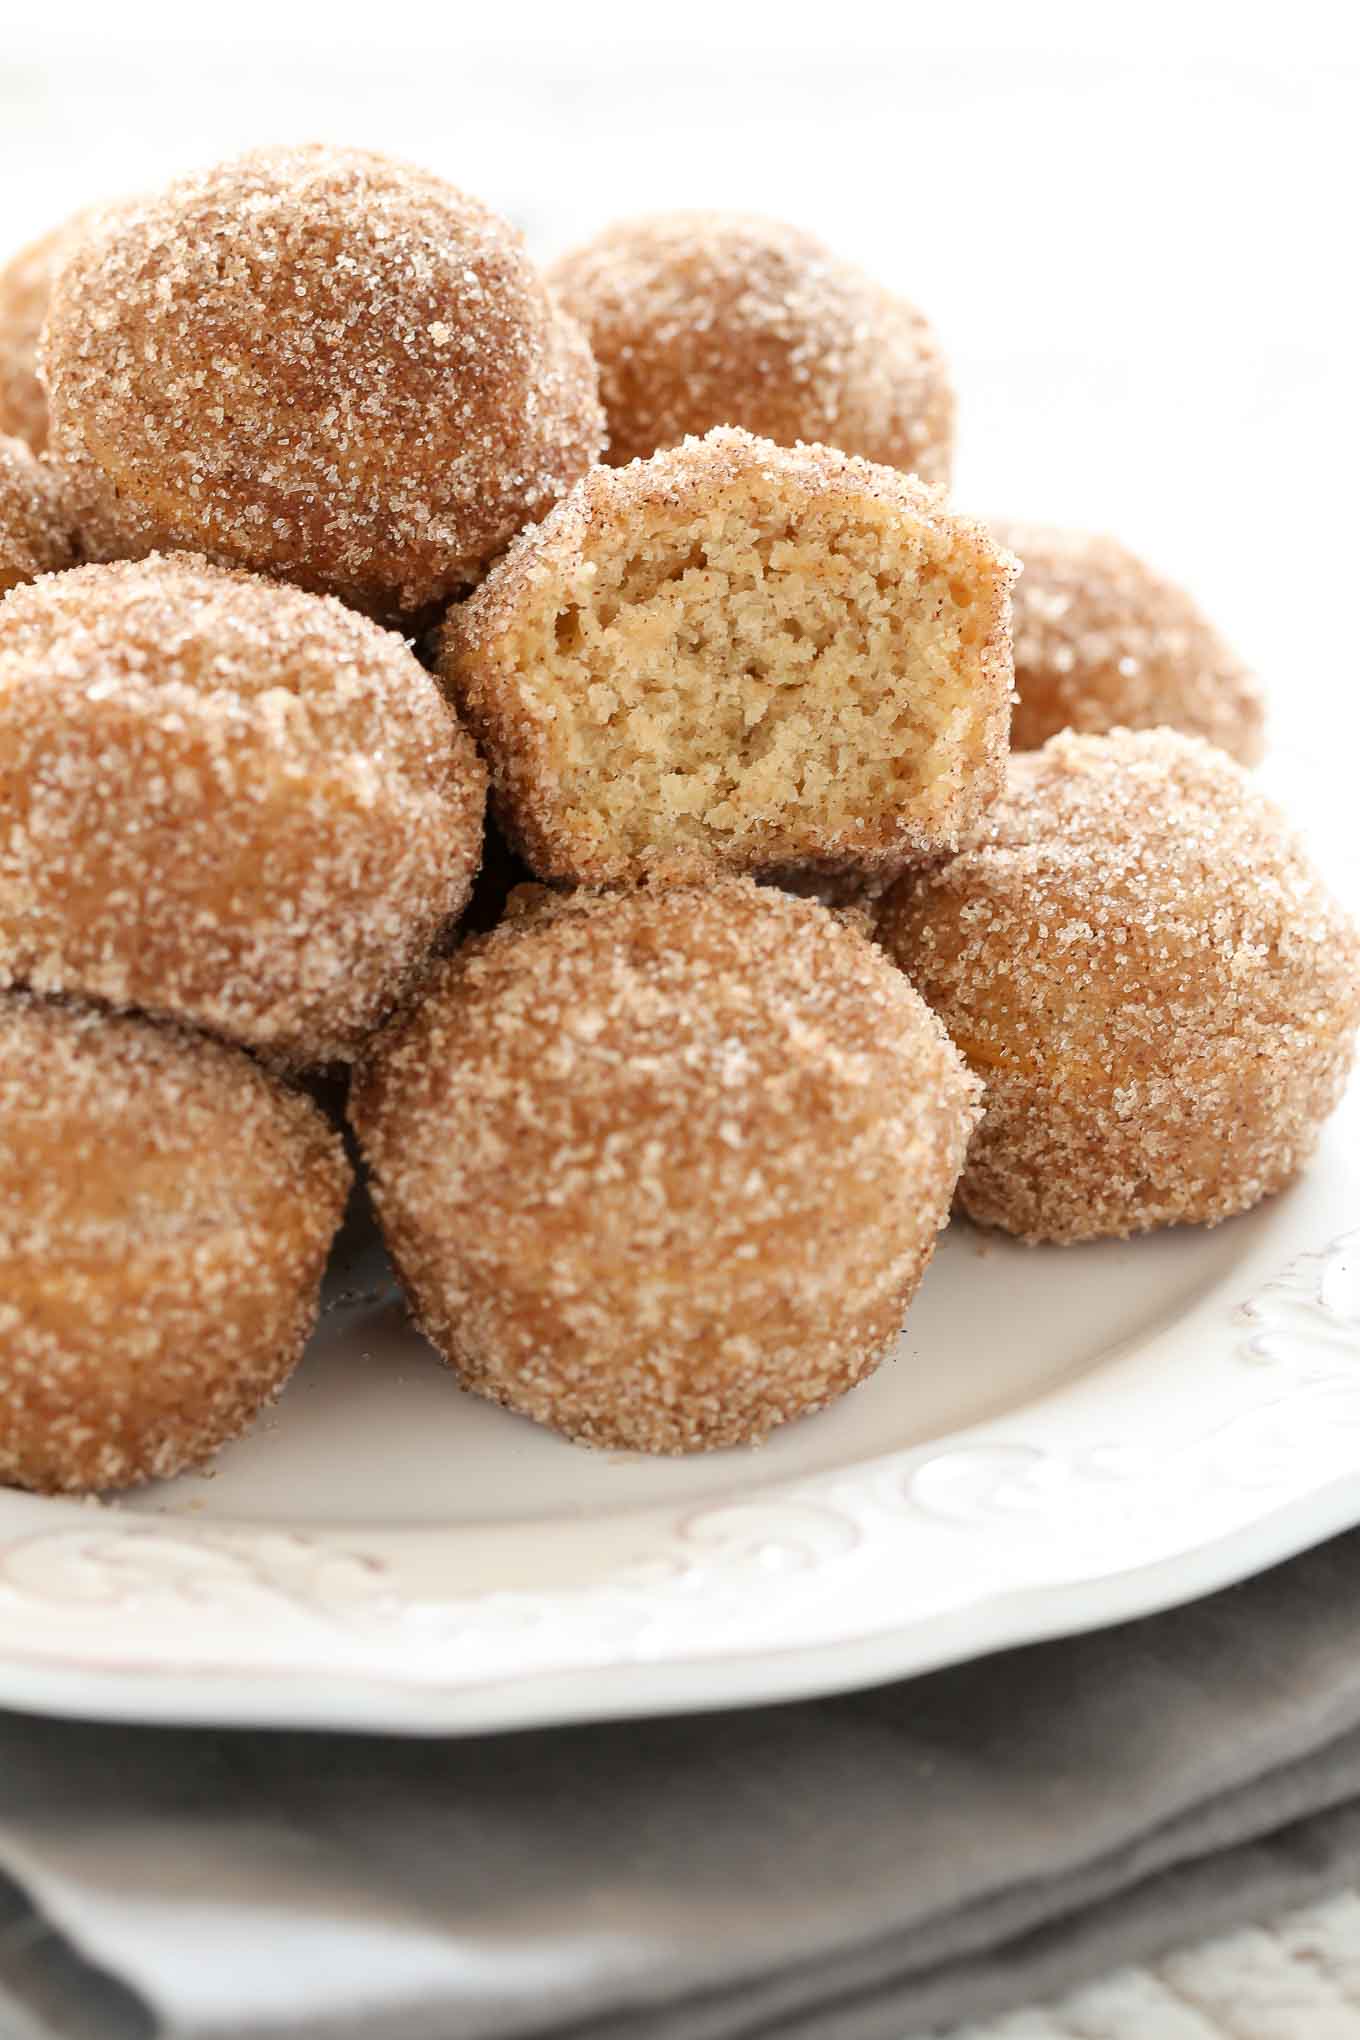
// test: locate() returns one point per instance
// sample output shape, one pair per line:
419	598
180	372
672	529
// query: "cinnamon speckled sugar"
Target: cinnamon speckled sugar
226	802
1101	642
1136	955
700	319
166	1208
321	364
661	1159
35	531
742	656
663	1169
25	292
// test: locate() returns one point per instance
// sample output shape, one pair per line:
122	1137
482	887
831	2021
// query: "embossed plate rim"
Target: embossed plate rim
1004	1540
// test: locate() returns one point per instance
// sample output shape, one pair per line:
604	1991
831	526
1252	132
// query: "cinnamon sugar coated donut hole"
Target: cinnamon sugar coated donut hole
320	364
35	534
25	291
1101	643
1137	957
743	656
662	1169
166	1208
702	318
226	802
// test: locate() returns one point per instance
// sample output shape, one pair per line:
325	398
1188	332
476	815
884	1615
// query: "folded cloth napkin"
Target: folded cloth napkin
861	1868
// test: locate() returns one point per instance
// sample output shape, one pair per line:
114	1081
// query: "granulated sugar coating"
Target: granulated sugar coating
1101	643
226	802
662	1169
35	533
1137	957
25	291
320	364
739	655
165	1213
700	319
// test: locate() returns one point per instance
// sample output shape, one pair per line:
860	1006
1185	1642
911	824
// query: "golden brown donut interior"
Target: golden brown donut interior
743	656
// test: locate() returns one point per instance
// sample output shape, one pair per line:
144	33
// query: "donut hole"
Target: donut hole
662	1166
225	802
1139	961
166	1209
753	678
702	319
1103	642
321	364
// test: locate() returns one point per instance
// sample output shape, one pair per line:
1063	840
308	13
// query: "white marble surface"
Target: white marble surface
1135	233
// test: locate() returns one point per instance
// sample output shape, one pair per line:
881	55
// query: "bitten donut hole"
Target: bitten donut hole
745	677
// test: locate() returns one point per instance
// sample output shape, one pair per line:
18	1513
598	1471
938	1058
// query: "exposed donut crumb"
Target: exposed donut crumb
320	364
700	319
1102	642
1136	955
226	802
662	1169
743	656
166	1208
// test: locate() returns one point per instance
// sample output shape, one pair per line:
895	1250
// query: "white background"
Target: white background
1135	228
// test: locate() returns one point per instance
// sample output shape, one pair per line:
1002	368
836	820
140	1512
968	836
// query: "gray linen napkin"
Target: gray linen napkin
850	1869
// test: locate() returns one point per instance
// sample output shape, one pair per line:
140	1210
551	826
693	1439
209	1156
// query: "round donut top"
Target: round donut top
121	1137
701	1055
35	532
323	360
1132	903
1102	640
171	636
707	318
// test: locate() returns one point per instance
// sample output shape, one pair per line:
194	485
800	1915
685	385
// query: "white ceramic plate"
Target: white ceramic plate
1063	1438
